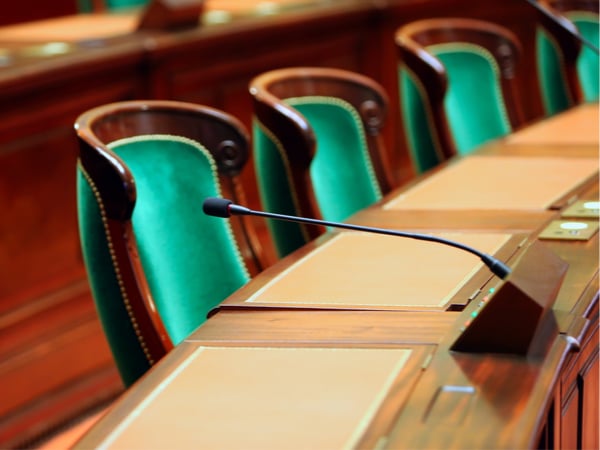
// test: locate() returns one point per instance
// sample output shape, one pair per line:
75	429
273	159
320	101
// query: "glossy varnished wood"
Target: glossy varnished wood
503	399
114	184
41	97
454	399
282	327
42	94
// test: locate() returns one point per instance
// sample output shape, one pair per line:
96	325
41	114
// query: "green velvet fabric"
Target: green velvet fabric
120	4
275	190
190	259
341	171
474	104
588	63
85	6
551	74
417	122
129	357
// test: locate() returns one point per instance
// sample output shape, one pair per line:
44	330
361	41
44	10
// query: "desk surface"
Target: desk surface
499	182
88	27
333	392
387	278
262	374
580	127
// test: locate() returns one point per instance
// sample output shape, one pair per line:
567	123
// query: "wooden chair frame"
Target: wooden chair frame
411	42
113	184
564	32
295	134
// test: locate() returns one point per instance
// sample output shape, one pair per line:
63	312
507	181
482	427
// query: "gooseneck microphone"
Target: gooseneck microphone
221	207
570	28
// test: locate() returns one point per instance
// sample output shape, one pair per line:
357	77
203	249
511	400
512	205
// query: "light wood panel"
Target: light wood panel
578	127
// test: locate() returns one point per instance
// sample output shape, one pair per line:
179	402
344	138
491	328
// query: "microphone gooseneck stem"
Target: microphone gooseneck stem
496	266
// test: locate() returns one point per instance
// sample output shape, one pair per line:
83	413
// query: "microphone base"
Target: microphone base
517	318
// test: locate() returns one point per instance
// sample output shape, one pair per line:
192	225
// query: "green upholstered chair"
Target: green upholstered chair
153	14
120	4
457	84
157	265
109	5
318	149
568	71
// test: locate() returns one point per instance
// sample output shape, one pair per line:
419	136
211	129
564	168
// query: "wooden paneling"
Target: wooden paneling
579	393
590	394
54	359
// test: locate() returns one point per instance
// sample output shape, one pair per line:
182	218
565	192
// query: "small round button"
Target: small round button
573	226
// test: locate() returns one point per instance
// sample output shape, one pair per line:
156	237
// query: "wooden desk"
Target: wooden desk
52	71
548	140
275	373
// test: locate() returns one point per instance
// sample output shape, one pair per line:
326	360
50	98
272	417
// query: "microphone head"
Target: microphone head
215	206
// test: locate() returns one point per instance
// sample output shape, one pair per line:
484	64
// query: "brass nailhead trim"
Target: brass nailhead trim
128	307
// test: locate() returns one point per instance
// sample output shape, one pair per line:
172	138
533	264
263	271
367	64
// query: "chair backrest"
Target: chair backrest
458	86
87	6
157	265
582	70
557	52
318	149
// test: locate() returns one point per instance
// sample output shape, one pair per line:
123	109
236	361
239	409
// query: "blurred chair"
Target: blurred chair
318	149
121	4
457	84
157	265
153	14
87	6
568	71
